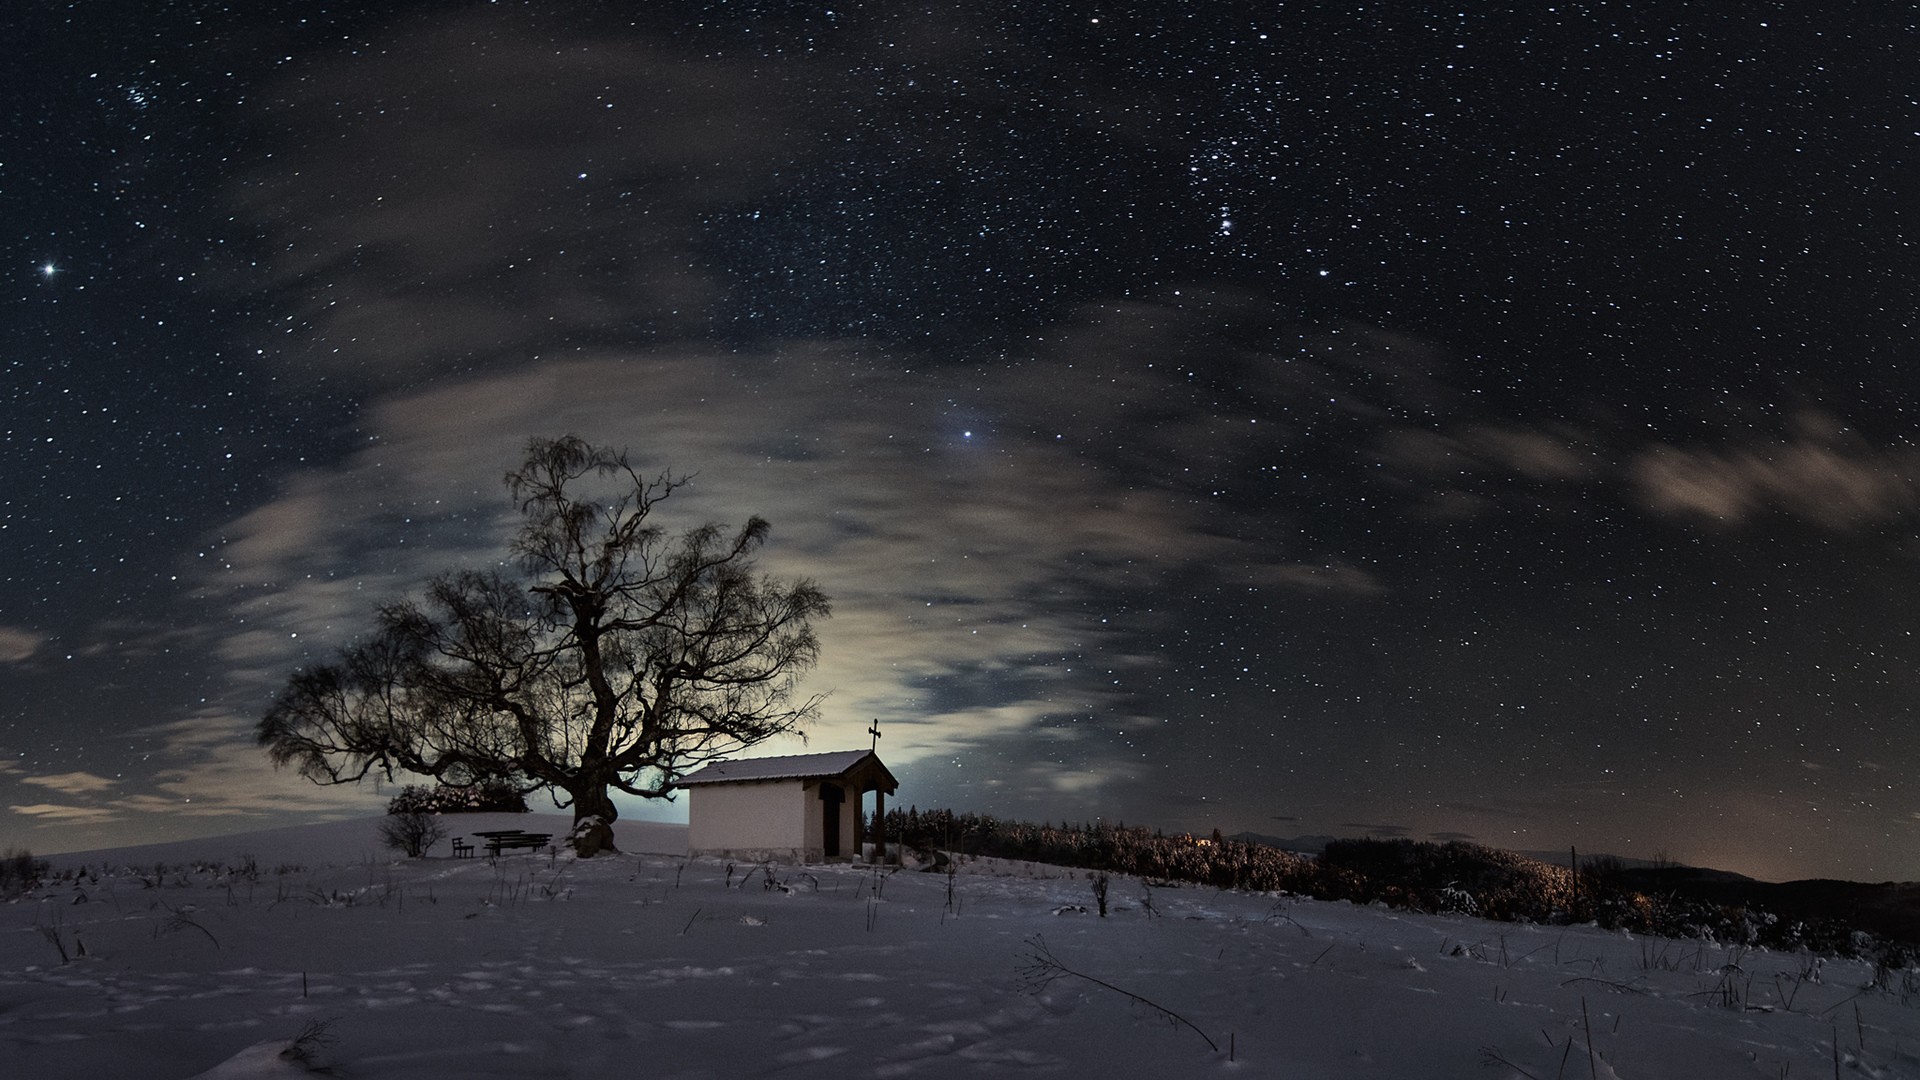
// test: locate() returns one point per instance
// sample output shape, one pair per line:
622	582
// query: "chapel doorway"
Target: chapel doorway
830	798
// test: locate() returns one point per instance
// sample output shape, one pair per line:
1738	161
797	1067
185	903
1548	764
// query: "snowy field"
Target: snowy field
650	964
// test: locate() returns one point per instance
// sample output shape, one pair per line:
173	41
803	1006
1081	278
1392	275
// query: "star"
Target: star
47	270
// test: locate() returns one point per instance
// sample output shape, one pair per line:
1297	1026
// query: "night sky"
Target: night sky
1393	420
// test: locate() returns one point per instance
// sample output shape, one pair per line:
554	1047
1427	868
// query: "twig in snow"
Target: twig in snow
1491	1057
180	920
52	934
306	1046
1587	1022
1042	969
1284	912
1624	988
1841	1002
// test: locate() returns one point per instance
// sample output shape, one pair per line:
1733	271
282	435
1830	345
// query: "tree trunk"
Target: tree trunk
592	800
592	837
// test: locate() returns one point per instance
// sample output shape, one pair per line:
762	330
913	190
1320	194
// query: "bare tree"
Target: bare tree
618	659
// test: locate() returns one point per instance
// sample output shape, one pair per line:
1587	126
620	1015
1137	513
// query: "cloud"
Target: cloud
1511	809
209	766
1469	469
1534	454
470	223
17	644
73	783
283	527
1329	578
1377	831
1824	475
55	812
203	766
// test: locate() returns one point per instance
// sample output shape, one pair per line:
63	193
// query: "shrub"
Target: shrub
20	871
412	833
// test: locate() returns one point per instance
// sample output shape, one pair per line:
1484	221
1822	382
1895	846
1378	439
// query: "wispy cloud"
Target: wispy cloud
1331	577
1511	809
209	766
17	644
1822	472
1833	480
73	783
1375	829
64	814
469	224
203	767
1483	449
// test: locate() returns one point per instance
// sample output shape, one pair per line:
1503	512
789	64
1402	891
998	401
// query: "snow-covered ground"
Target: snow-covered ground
650	964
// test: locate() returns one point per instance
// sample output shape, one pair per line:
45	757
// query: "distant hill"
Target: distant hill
1888	909
1317	844
1304	845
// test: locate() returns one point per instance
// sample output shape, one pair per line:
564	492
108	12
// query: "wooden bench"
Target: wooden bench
509	839
462	849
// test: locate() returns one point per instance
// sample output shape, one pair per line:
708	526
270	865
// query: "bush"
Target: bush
412	833
485	797
20	871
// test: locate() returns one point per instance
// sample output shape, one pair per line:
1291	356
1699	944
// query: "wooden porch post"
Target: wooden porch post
879	826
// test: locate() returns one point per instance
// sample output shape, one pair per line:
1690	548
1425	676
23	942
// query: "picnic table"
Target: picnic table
499	840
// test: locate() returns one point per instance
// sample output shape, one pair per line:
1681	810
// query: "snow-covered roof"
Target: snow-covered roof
786	767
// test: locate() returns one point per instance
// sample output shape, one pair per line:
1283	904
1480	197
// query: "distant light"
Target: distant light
48	270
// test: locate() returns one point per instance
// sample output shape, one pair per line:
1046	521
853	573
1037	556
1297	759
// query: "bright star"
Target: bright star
47	270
